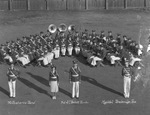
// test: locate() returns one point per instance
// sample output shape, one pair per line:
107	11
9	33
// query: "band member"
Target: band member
57	51
84	37
127	73
140	50
138	72
76	36
109	37
86	32
63	47
2	53
119	41
14	55
23	59
75	79
124	42
70	47
77	46
148	48
134	59
93	34
9	58
12	74
113	58
54	82
102	38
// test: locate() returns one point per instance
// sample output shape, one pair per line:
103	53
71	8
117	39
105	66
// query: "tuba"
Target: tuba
71	28
52	28
62	27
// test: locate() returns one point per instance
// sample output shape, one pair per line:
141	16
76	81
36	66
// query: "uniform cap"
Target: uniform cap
127	61
74	62
53	66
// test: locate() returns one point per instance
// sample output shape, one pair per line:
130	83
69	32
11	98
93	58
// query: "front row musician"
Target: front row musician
127	73
12	74
77	46
63	47
70	47
75	79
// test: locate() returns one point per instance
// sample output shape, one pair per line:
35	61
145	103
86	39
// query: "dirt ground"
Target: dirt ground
99	85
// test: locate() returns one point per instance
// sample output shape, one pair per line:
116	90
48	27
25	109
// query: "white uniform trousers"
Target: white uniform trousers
133	60
23	60
57	53
27	58
63	51
77	50
127	85
75	89
140	52
93	60
69	49
148	48
12	88
114	58
47	59
8	58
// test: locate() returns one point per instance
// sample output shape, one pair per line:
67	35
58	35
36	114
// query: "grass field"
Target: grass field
98	84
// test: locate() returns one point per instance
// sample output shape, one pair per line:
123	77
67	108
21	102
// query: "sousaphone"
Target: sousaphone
62	27
52	28
71	28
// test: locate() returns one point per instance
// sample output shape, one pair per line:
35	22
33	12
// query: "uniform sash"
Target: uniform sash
75	72
12	75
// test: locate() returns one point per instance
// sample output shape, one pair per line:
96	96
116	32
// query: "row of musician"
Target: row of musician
41	49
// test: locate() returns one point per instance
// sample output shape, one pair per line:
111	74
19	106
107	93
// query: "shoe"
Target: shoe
126	96
10	97
54	97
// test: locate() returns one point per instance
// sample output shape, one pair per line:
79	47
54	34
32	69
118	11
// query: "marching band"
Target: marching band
97	49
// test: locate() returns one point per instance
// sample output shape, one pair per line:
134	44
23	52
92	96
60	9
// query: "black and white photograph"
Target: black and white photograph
74	57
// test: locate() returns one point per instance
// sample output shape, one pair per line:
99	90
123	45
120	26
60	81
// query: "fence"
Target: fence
71	4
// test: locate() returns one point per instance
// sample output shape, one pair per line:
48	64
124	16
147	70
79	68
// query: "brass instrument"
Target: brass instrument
62	27
52	28
71	28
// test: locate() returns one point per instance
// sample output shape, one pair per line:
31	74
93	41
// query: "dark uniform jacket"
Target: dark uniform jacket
12	74
53	76
127	72
75	74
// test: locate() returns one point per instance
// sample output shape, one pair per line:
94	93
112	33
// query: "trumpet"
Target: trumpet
62	27
52	28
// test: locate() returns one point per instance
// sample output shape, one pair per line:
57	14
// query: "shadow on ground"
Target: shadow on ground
4	91
35	87
46	83
94	82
